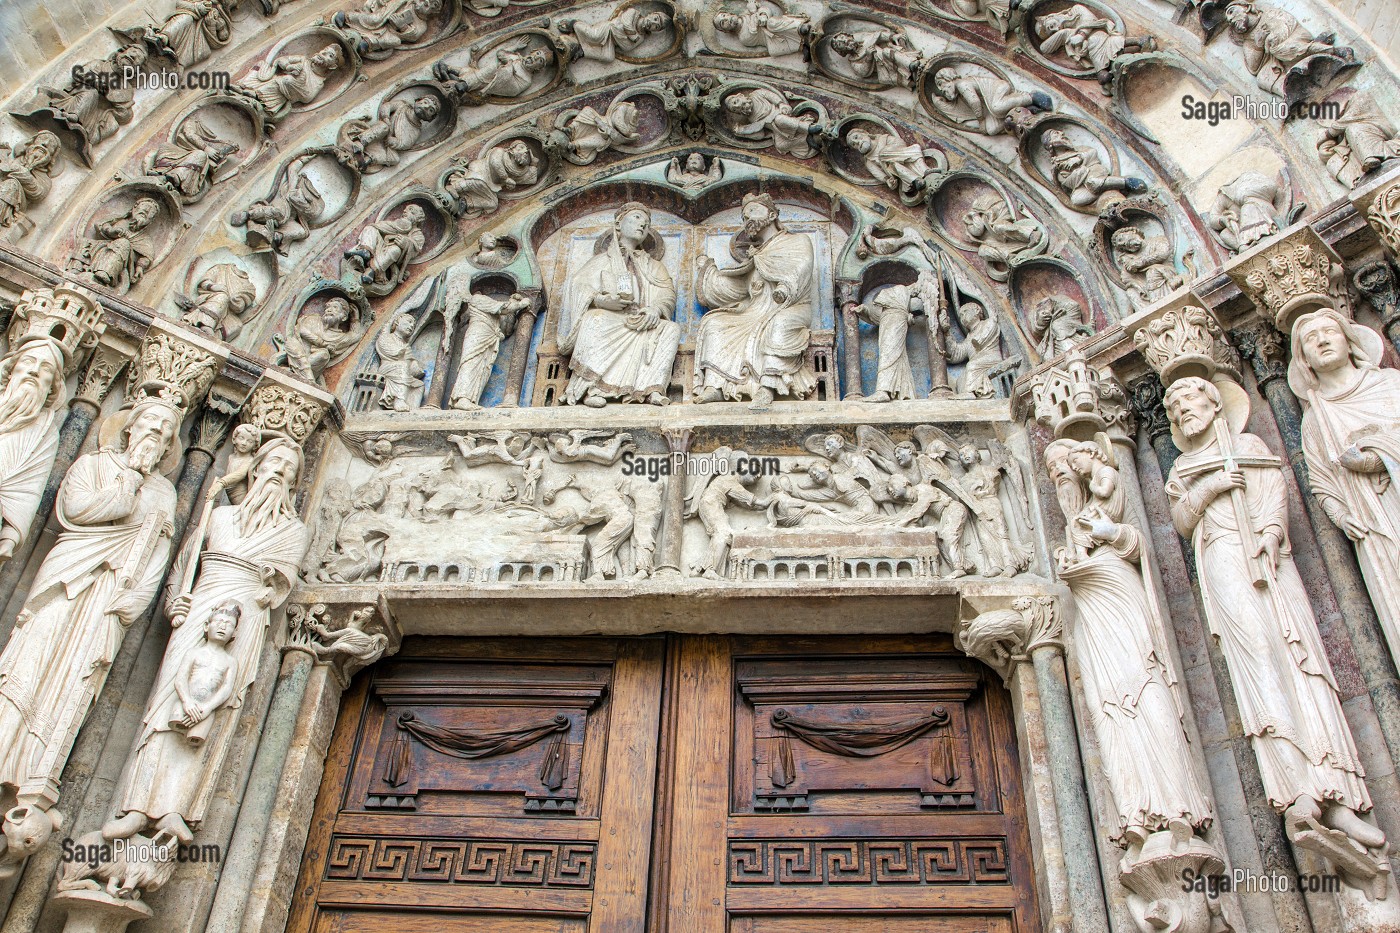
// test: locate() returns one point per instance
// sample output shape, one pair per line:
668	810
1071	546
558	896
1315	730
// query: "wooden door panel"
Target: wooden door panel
865	775
510	779
361	921
904	923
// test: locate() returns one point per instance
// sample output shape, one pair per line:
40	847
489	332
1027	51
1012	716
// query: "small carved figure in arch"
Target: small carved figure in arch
883	56
26	173
697	171
622	33
122	250
980	100
382	27
476	187
1057	324
279	84
222	296
373	144
287	215
757	28
1002	238
387	247
901	167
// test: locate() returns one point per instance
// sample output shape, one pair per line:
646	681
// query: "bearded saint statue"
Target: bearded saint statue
753	340
32	408
115	508
251	559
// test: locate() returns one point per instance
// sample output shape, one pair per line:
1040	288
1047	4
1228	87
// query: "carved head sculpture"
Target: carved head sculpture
336	314
1192	404
520	154
1084	456
222	623
487	243
819	473
740	104
427	8
426	108
652	22
945	82
1056	141
143	212
1057	464
861	141
968	455
1242	16
40	152
130	56
728	22
246	438
1128	239
982	214
402	325
33	379
631	224
536	60
26	829
329	59
271	480
973	314
904	453
1326	342
695	163
900	489
149	434
843	43
759	211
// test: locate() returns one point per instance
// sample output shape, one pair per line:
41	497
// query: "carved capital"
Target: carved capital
101	374
1263	348
678	439
1077	401
1376	281
345	638
1293	274
1003	638
1147	395
176	365
1379	203
1180	338
286	406
212	423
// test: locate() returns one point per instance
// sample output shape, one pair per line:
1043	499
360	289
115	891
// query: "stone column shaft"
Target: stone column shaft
520	352
1089	912
673	522
278	734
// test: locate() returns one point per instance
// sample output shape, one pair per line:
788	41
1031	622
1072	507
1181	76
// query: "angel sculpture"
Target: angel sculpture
495	447
574	447
923	488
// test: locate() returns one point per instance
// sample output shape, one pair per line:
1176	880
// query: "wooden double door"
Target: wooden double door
687	784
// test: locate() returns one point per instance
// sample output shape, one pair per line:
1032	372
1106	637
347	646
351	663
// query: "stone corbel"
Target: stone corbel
1292	274
1004	638
346	639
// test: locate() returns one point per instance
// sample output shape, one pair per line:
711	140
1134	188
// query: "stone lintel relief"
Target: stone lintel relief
574	506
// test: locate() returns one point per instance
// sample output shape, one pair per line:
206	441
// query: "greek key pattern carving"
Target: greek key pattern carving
868	861
462	861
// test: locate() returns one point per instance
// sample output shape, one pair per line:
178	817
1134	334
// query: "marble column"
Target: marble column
520	349
673	525
256	887
1026	643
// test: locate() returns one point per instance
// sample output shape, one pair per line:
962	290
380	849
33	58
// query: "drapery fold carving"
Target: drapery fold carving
475	745
867	741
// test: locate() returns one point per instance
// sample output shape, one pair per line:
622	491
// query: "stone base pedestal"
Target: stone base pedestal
1155	875
99	912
